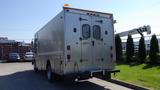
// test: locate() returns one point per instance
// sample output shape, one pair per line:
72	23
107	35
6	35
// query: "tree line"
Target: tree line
142	56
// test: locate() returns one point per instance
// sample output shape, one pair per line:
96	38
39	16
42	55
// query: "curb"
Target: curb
129	85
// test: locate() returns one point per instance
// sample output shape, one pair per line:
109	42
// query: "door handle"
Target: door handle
80	19
92	43
100	21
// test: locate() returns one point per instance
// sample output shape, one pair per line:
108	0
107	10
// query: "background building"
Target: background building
9	46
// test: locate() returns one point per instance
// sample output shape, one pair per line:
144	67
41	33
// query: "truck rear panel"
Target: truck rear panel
89	41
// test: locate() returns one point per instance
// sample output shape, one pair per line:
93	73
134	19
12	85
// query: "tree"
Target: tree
154	49
129	48
118	44
142	50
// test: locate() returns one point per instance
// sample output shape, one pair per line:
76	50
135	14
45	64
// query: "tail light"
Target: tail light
68	58
68	51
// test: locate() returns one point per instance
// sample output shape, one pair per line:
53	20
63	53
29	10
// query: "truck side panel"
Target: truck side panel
50	40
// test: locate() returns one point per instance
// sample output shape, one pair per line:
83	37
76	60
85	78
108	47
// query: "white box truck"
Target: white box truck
76	43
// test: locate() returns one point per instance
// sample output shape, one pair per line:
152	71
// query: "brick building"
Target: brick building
9	46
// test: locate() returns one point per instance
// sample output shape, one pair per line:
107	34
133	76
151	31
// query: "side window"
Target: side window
96	32
86	32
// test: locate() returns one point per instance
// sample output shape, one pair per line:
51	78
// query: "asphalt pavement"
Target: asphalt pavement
20	76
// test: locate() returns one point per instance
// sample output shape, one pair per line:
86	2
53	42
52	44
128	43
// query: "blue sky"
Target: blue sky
20	19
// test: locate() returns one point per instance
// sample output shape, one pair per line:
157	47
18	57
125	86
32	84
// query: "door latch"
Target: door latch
80	19
92	43
100	21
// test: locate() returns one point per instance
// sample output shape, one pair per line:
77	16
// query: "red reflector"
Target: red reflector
68	57
68	47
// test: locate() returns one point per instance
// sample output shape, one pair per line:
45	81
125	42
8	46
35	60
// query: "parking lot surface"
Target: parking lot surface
20	76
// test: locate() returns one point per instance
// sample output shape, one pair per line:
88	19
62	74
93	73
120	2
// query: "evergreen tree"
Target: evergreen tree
154	49
118	45
129	49
142	50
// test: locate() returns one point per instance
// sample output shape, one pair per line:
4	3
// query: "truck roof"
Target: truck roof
65	8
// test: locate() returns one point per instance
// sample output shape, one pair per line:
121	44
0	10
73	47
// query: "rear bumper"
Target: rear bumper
92	73
103	72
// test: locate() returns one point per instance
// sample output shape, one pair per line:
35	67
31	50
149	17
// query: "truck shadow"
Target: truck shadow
29	80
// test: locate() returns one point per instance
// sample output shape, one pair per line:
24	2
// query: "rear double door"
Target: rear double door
97	43
91	42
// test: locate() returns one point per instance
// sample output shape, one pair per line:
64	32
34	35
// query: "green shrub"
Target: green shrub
141	50
129	48
154	49
118	45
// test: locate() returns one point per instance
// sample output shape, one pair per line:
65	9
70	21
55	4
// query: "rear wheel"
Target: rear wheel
49	73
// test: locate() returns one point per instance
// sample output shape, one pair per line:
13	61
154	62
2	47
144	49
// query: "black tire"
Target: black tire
35	66
49	73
